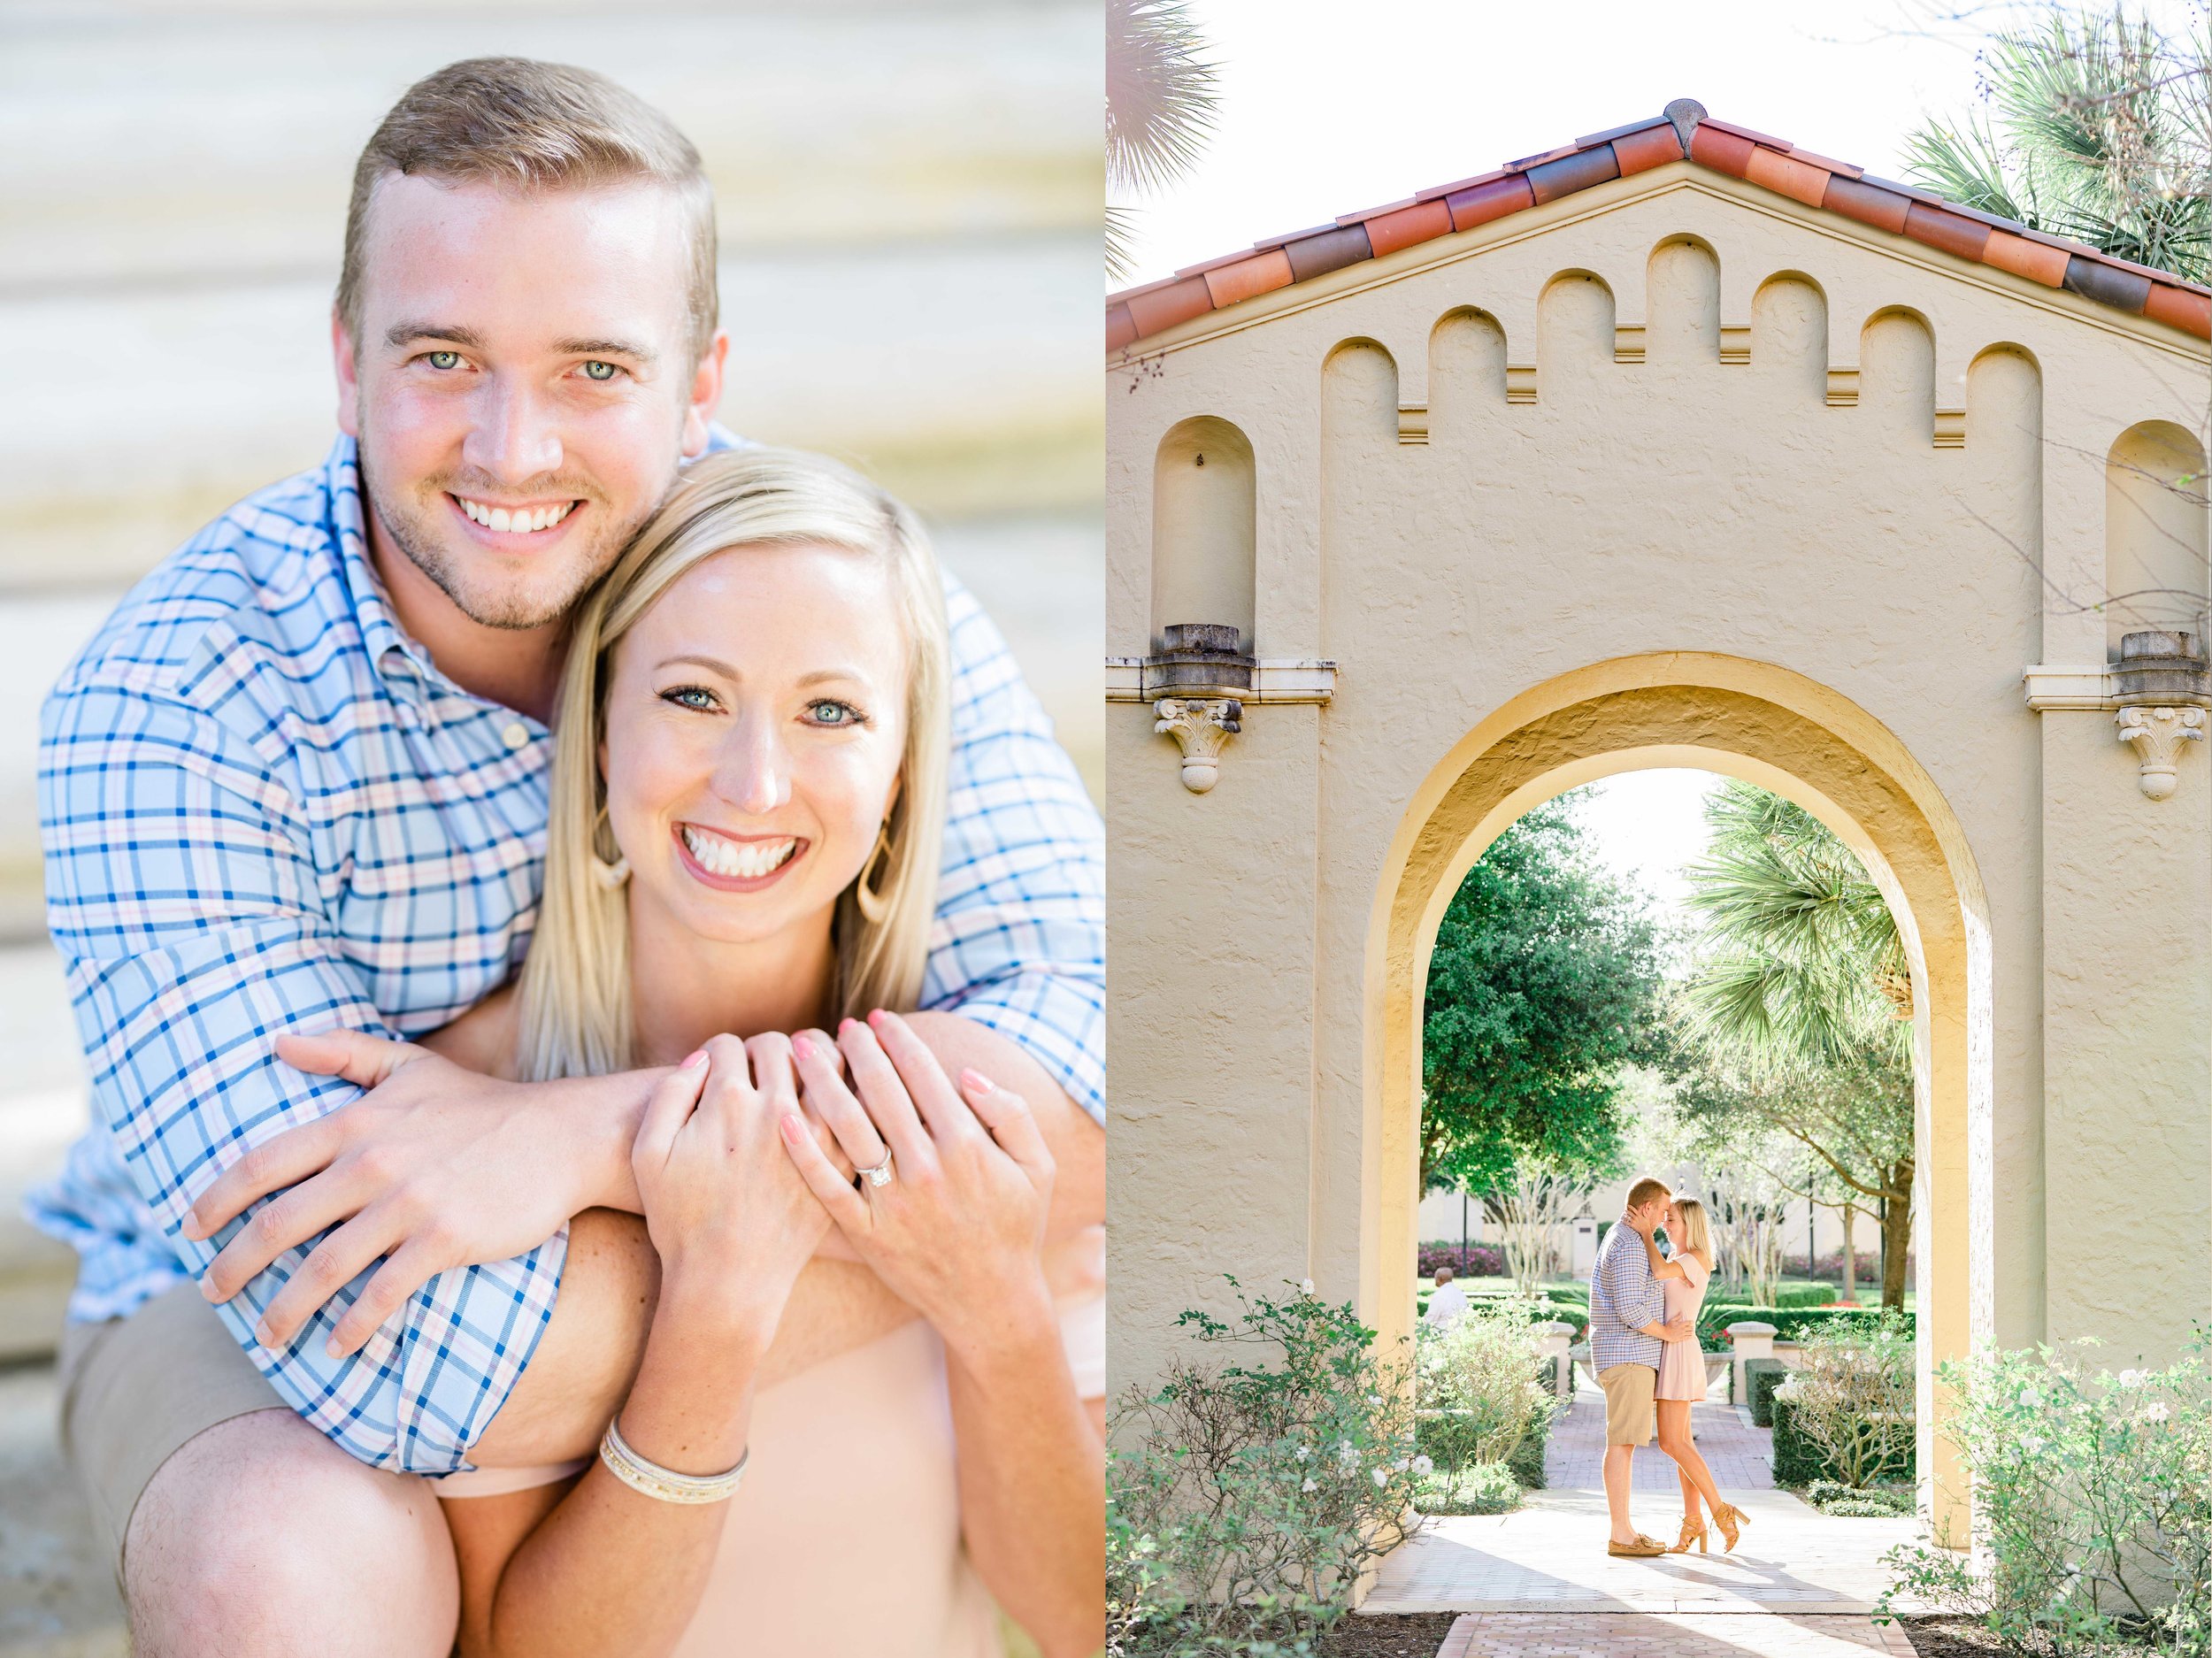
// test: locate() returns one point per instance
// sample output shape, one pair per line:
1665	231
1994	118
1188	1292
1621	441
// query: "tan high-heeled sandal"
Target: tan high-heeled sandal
1693	1532
1731	1520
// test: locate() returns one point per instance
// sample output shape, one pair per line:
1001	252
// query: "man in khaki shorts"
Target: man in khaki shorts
1626	1307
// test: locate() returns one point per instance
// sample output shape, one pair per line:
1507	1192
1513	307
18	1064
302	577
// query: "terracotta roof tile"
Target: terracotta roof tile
1723	151
1787	175
2035	260
1740	152
1646	148
1868	203
1332	250
1162	308
1255	274
1954	233
1569	173
1423	221
1485	201
2107	283
2178	308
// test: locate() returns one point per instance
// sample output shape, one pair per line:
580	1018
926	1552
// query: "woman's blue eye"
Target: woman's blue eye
444	359
683	692
835	714
599	371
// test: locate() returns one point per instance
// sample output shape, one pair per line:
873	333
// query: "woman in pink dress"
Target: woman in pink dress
748	789
1682	1277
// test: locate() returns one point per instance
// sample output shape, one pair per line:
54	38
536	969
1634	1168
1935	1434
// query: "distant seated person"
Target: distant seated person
1446	1304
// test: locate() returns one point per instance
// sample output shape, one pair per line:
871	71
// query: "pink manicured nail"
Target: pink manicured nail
976	1080
803	1045
697	1059
844	1026
876	1019
332	1348
794	1130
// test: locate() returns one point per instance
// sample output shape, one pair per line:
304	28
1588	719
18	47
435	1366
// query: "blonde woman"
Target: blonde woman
1683	1274
748	791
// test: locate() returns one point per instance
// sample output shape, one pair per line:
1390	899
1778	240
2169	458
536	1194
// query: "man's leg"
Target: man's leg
260	1538
1619	1462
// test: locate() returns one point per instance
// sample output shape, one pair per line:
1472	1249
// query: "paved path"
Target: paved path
1539	1583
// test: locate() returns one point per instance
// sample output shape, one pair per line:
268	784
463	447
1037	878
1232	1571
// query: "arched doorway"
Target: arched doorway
1785	732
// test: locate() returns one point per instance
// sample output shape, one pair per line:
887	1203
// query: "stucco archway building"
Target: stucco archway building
1676	445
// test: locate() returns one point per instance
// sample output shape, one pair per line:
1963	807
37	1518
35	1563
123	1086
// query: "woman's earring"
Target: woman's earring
609	875
873	905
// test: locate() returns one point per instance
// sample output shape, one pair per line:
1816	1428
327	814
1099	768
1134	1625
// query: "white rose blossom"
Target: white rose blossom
1424	1466
1305	1287
1381	1479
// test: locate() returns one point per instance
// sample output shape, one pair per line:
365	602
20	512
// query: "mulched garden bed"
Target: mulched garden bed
1398	1635
1950	1638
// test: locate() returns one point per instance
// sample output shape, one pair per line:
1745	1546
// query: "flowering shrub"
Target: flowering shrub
1479	1400
1475	1260
1254	1494
2092	1503
1852	1400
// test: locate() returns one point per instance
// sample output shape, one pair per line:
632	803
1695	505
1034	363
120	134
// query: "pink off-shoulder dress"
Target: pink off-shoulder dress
844	1541
1682	1366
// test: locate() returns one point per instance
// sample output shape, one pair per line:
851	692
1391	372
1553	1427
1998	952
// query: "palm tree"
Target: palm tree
2098	128
1160	99
1801	963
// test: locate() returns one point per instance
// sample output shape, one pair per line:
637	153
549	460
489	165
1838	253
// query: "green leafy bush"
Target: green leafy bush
1831	1496
1478	1389
1478	1488
1251	1495
1851	1404
1788	1295
1791	1323
1761	1378
2092	1494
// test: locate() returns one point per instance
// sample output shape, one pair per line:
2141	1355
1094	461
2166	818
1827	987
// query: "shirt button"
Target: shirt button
516	734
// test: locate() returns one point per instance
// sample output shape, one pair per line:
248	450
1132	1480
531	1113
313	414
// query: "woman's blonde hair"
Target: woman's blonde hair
575	1013
1696	1232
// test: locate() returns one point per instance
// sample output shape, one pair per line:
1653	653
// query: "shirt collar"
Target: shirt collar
403	664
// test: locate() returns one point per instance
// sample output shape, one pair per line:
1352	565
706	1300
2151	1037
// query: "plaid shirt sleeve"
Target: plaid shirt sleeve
1630	1291
1020	942
187	906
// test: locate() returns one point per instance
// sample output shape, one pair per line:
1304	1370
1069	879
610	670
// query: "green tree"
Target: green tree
1544	984
1797	1016
1161	100
2096	127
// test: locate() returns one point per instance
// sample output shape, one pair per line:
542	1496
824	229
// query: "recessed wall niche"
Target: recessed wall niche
1204	507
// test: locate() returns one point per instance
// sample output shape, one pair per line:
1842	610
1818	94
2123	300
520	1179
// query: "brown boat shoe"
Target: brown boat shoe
1642	1548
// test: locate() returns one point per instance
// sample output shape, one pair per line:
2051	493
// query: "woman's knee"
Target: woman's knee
260	1528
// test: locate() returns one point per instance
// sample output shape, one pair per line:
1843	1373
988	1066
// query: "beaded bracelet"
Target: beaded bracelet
666	1485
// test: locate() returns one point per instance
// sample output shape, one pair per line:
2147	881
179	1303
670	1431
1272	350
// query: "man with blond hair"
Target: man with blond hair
298	782
1627	1328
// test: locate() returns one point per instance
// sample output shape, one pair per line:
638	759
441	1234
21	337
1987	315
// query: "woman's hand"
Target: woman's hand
724	1205
959	1229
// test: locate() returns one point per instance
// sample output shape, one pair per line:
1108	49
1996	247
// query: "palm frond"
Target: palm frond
1162	93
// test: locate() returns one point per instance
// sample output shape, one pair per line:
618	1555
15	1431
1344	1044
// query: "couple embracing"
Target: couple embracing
590	959
1643	1346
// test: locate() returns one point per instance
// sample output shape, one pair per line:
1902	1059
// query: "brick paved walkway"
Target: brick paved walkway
1539	1583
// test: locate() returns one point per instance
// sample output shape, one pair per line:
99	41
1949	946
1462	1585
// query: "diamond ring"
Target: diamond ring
881	1175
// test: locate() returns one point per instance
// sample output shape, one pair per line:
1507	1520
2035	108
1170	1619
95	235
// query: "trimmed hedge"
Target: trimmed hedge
1761	1378
1791	1323
1798	1461
1481	1261
1805	1295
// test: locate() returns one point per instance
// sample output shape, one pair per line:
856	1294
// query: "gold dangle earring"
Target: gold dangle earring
873	905
609	874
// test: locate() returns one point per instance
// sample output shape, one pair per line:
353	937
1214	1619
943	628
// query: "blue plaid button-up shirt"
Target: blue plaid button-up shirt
1624	1298
263	808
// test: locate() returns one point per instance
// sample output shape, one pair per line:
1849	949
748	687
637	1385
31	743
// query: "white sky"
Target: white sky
1328	108
1646	826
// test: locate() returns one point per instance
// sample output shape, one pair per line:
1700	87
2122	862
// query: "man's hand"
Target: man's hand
435	1167
1680	1330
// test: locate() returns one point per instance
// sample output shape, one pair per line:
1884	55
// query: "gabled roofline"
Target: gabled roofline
1684	131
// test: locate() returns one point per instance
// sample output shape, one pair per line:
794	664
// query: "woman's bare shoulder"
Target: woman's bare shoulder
483	1039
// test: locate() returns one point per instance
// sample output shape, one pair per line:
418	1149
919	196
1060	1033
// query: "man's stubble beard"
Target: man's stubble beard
505	607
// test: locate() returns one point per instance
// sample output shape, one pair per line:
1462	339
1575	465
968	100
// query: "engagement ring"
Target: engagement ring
881	1175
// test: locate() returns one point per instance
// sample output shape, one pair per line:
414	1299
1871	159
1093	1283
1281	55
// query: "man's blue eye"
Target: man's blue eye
445	359
599	371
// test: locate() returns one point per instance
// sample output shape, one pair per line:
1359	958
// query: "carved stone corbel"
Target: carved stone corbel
1201	728
2162	684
